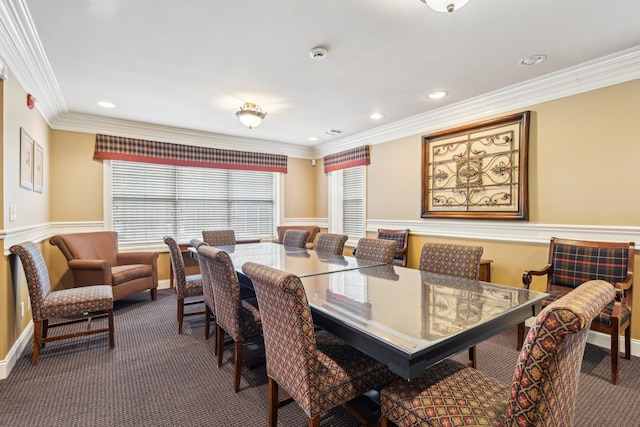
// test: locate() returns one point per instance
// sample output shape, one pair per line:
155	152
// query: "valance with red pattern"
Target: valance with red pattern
139	150
347	159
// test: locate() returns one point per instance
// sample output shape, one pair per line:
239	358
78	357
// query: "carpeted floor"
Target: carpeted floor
155	377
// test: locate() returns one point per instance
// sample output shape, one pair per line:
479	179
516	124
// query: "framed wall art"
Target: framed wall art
38	168
26	160
477	171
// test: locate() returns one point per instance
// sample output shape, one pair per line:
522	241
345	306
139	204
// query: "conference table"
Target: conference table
405	318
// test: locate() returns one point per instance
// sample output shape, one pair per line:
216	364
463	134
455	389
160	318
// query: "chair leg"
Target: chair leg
37	339
274	403
154	294
112	342
520	338
237	366
180	314
472	357
314	422
627	342
45	331
383	421
615	353
207	324
219	343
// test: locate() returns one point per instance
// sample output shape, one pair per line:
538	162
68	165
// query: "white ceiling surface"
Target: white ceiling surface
190	64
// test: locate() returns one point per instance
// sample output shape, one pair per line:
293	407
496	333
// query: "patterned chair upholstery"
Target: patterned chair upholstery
312	229
196	243
573	262
296	238
49	305
379	250
237	317
453	260
219	237
402	239
318	370
186	286
328	243
545	382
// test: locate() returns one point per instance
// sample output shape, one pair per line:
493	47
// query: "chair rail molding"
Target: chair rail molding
39	232
507	231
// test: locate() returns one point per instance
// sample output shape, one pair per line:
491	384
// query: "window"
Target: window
347	202
150	201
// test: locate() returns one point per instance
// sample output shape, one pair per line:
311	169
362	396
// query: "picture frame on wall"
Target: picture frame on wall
26	160
477	171
38	169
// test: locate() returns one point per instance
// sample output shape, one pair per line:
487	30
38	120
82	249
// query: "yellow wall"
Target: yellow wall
299	183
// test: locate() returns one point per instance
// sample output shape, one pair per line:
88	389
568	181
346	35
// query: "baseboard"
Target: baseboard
7	364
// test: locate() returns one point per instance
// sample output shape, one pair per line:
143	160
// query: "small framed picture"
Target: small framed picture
26	160
38	169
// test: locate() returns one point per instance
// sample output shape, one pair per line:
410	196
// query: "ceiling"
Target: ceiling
190	64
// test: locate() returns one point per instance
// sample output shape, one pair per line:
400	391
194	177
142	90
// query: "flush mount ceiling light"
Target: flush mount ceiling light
250	115
437	95
530	61
376	116
106	104
445	5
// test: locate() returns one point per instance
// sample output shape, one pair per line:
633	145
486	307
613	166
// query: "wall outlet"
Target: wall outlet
21	310
12	213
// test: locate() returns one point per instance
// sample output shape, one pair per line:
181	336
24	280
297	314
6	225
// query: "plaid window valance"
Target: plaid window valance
347	159
139	150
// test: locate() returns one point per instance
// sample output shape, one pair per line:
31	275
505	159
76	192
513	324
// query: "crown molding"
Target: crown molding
87	123
606	71
20	47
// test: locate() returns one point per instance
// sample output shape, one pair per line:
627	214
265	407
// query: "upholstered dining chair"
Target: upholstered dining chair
573	262
318	370
379	250
219	237
545	382
453	260
328	243
62	307
186	286
196	243
402	238
297	238
237	317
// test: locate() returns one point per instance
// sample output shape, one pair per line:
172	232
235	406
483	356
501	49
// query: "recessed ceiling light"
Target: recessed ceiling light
106	104
532	60
437	95
376	116
312	138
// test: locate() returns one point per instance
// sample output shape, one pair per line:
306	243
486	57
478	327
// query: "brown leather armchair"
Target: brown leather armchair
93	259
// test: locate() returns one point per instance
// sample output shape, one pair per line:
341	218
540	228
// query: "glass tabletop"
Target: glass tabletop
299	261
413	315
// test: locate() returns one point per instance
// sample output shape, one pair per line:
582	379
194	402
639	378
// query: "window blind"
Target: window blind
150	201
353	214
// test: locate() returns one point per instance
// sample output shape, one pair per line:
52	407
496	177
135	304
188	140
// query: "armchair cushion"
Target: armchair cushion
574	265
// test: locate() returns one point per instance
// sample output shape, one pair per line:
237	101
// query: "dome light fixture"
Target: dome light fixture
250	115
445	5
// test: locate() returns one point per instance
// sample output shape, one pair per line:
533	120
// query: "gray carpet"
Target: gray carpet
155	377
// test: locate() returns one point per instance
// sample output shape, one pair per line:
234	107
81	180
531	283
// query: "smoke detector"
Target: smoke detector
318	53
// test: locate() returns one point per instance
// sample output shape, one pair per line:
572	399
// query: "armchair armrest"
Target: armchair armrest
125	258
196	243
90	271
526	276
240	242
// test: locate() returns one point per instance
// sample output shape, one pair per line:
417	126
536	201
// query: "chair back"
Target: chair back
577	261
546	377
287	324
219	237
328	243
177	263
453	260
402	239
95	245
297	238
379	250
37	275
220	275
